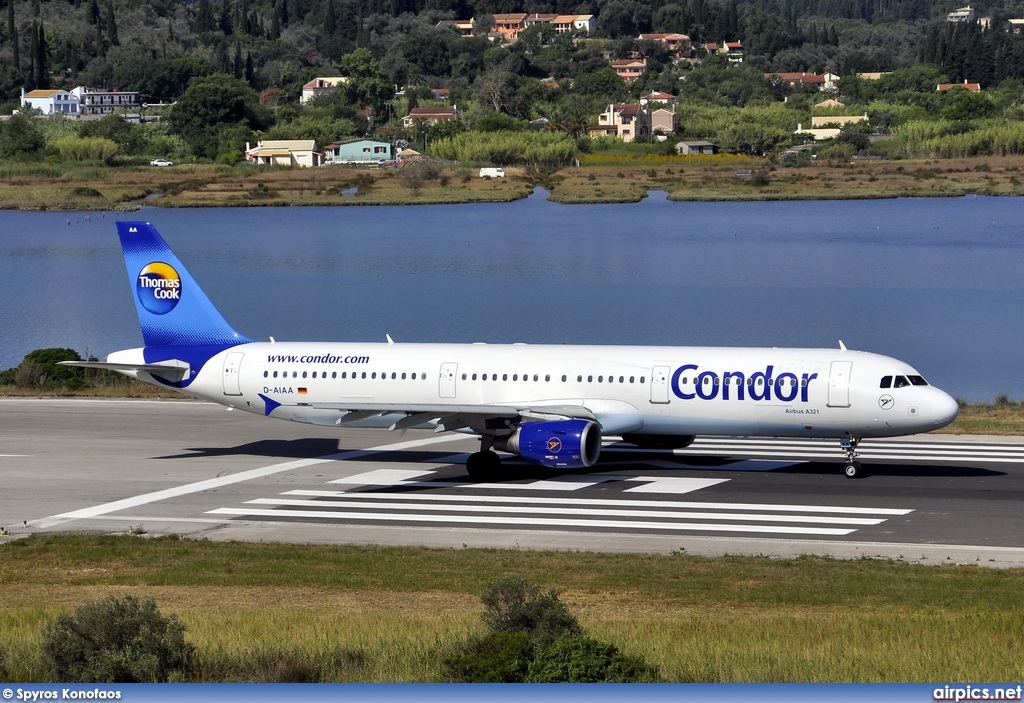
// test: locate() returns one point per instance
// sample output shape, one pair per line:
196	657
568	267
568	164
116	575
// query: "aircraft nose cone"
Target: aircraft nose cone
944	409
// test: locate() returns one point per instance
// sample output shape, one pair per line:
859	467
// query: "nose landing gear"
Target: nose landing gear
853	469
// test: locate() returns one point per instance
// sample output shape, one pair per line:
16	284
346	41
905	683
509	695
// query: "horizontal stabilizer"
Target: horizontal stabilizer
172	370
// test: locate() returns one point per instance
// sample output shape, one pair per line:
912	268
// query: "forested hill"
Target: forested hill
157	46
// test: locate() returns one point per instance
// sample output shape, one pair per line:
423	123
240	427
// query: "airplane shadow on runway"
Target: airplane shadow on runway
620	461
306	448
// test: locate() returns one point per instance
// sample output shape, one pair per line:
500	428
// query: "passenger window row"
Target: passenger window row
547	378
346	375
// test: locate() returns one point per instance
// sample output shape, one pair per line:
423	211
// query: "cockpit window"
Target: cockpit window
918	381
900	382
886	382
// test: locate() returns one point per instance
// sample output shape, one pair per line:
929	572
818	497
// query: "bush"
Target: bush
116	640
534	638
513	604
585	660
497	657
40	369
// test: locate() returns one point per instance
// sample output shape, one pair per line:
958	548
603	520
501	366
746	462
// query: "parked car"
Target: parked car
161	162
492	173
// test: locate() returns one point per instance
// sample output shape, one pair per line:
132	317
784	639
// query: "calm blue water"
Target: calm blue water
935	282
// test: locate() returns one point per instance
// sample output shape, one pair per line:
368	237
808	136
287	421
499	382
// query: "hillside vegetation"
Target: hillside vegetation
234	71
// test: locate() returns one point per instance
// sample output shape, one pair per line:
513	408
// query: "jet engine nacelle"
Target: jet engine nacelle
557	444
660	441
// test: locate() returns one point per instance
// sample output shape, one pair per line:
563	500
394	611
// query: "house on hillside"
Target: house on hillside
841	120
663	121
629	69
570	23
659	97
106	102
677	45
961	14
52	102
465	28
509	25
284	152
821	81
429	115
973	87
358	151
689	148
624	121
323	85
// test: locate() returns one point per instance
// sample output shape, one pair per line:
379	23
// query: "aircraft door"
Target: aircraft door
659	384
232	366
839	384
446	386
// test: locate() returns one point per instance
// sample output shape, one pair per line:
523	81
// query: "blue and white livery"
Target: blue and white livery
551	405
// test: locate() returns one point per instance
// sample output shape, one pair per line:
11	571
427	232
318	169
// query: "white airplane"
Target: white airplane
551	405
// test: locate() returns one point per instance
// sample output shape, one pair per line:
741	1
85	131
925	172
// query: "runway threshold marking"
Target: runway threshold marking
365	498
242	476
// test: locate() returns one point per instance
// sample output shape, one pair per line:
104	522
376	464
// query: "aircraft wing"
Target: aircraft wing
453	416
173	370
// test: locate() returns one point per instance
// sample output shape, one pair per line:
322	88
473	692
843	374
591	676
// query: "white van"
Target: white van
492	173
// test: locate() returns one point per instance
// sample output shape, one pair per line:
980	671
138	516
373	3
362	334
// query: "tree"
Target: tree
212	104
367	84
12	32
111	24
962	104
20	136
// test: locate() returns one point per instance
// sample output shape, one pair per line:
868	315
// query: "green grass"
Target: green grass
345	613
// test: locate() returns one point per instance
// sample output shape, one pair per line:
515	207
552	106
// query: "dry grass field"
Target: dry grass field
265	612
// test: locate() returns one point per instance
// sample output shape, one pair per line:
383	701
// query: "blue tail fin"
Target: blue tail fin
173	310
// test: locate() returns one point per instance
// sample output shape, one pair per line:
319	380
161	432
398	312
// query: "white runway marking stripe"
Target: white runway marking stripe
396	477
940	451
493	520
571	512
606	502
563	510
198	487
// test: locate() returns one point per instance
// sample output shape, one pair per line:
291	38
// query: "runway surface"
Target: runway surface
195	468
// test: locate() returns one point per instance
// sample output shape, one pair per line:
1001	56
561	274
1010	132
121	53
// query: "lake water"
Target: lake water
935	282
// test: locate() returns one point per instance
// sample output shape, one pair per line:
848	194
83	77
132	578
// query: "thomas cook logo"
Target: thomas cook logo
158	287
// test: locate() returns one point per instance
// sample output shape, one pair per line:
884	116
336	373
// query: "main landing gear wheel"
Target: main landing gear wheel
484	464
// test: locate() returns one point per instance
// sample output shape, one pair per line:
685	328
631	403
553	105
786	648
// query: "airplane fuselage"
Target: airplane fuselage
630	389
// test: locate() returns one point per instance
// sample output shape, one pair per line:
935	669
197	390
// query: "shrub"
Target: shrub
586	660
497	657
116	640
40	369
534	638
513	604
